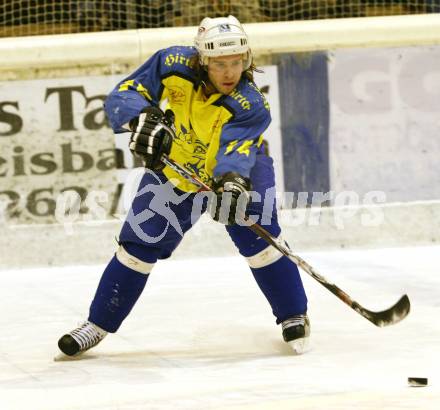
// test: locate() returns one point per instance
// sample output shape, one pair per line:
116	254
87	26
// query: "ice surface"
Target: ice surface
202	337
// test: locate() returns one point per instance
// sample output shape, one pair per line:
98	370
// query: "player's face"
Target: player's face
225	72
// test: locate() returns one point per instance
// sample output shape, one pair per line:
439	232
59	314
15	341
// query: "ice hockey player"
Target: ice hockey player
219	116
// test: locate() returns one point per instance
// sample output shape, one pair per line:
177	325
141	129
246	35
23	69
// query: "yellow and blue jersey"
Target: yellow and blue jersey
214	135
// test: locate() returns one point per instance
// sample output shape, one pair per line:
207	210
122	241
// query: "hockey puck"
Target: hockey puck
418	381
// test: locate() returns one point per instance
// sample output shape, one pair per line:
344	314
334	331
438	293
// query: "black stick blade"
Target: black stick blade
387	317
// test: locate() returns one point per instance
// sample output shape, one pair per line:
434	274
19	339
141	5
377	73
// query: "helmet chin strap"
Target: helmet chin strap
208	88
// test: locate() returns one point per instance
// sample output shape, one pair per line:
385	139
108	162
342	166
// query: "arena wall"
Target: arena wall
353	128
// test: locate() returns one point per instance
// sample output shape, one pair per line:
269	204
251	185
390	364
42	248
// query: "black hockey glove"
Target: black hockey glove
231	199
152	135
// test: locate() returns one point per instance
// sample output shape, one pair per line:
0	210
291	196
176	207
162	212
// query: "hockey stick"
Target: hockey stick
387	317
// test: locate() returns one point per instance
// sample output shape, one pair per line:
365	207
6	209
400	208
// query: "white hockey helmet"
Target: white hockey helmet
222	36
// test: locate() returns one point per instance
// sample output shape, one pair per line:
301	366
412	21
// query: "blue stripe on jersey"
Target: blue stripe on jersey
305	112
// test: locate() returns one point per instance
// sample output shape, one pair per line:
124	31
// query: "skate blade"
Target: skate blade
61	357
300	346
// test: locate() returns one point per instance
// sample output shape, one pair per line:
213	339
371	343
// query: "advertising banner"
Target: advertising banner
385	124
60	160
360	126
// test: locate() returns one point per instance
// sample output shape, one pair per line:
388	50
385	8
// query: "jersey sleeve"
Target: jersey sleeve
240	140
141	89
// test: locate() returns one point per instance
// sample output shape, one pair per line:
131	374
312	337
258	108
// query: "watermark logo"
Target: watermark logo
152	221
163	195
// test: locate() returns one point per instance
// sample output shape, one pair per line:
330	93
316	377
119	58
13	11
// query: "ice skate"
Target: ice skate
296	332
81	339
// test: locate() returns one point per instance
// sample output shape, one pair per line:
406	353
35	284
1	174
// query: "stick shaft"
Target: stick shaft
389	316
